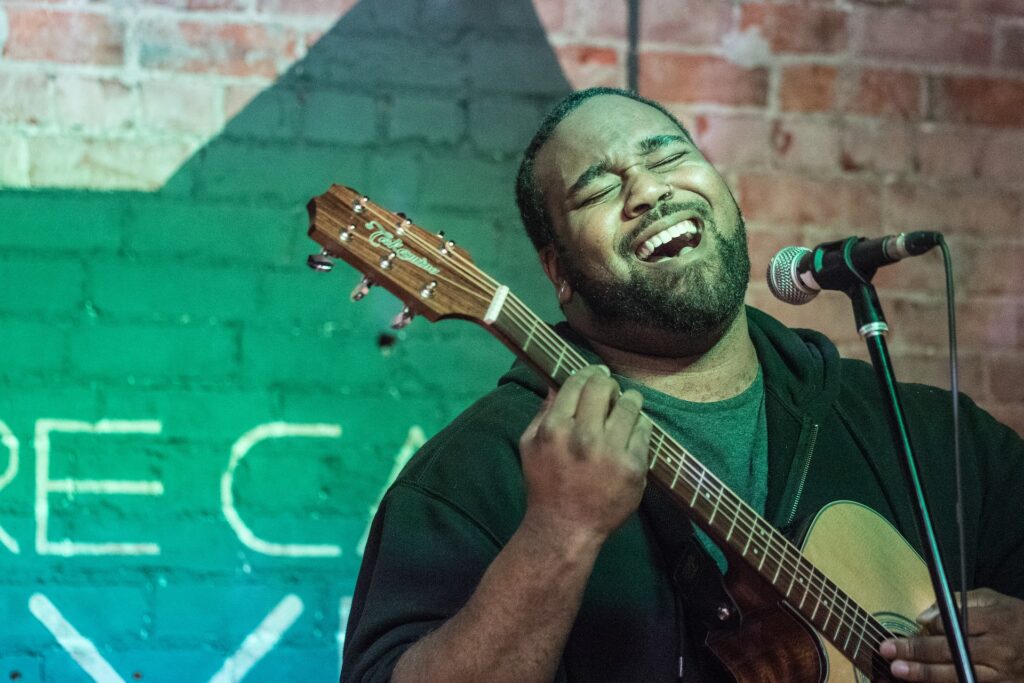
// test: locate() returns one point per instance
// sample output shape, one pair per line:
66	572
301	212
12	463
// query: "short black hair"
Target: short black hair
529	196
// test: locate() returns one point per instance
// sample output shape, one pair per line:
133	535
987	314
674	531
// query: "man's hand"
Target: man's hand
996	642
584	458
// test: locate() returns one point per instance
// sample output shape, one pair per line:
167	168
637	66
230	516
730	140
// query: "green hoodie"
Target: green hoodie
461	497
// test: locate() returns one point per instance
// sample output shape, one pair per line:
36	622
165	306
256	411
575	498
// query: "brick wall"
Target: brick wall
157	326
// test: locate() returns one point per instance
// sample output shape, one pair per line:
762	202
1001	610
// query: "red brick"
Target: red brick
57	36
734	140
162	108
983	101
23	99
600	18
1011	7
693	23
1012	53
320	8
947	151
1010	414
1002	155
987	324
957	210
200	5
587	66
797	27
933	368
897	33
698	78
992	269
229	49
789	200
94	103
806	144
1007	382
808	87
552	14
881	92
877	147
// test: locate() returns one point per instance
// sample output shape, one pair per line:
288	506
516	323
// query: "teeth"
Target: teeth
683	227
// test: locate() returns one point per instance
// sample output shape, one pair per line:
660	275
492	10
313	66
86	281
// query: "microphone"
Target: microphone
797	274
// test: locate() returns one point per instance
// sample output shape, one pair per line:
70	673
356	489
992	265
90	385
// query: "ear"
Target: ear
552	266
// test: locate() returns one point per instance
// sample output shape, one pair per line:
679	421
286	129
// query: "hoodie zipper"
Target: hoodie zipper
811	441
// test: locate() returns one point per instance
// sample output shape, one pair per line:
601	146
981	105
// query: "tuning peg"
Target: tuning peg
361	289
321	262
403	318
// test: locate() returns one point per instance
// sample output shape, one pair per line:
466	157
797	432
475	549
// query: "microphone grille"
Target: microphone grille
782	277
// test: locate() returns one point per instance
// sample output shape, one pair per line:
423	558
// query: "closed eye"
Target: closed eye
597	196
672	158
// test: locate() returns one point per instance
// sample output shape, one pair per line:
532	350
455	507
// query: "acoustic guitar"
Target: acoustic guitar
814	613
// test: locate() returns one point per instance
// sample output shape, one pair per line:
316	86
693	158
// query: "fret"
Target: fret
851	629
675	477
529	335
764	552
778	568
806	591
750	537
828	612
696	489
656	448
860	641
839	625
732	526
558	362
718	501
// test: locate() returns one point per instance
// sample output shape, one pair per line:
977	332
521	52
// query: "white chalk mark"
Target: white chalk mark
261	641
245	443
109	487
343	611
10	442
413	441
78	646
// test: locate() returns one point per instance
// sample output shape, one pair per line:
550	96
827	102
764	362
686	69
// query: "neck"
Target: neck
722	371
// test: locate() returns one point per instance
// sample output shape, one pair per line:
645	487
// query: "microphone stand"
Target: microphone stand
842	275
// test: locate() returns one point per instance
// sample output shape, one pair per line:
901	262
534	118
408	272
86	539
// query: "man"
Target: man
521	544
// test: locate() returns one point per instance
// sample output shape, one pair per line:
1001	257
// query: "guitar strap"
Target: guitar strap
698	585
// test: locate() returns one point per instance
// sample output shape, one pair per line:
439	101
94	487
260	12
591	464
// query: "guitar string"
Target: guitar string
759	534
748	516
856	621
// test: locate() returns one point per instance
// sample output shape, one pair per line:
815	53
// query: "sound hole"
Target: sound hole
897	624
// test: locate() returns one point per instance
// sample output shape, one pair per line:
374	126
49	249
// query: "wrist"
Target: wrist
559	538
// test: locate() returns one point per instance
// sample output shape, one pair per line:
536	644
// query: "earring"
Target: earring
562	289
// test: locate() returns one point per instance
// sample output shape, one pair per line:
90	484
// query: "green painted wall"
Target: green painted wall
196	427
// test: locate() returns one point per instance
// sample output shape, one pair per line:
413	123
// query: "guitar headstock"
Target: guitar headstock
427	271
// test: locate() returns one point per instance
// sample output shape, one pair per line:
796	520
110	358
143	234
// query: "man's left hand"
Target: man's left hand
996	642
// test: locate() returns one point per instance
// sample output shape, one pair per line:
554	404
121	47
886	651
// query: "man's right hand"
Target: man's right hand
584	458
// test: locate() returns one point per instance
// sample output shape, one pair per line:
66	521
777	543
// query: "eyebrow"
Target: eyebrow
648	145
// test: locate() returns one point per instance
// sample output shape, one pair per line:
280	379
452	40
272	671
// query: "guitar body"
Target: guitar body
862	554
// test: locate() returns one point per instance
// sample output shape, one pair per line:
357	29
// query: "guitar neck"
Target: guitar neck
713	506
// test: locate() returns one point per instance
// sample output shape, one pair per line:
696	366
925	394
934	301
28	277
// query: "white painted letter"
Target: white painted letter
10	442
261	641
78	646
71	487
271	430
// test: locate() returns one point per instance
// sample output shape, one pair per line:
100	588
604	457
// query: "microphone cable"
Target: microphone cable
954	385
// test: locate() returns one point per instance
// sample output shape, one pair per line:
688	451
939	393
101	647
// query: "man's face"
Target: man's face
648	235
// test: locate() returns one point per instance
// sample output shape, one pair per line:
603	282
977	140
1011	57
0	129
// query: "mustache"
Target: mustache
701	208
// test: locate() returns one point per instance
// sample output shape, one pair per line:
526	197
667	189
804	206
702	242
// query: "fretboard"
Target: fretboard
717	509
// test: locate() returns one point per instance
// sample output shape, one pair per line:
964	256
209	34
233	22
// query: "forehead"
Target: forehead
604	128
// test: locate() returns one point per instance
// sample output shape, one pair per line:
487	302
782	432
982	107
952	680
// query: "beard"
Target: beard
698	302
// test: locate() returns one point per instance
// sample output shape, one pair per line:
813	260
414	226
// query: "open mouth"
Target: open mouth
675	240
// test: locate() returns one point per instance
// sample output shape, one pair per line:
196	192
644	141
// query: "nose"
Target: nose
646	190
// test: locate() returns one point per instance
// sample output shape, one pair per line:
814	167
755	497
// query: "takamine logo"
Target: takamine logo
385	239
